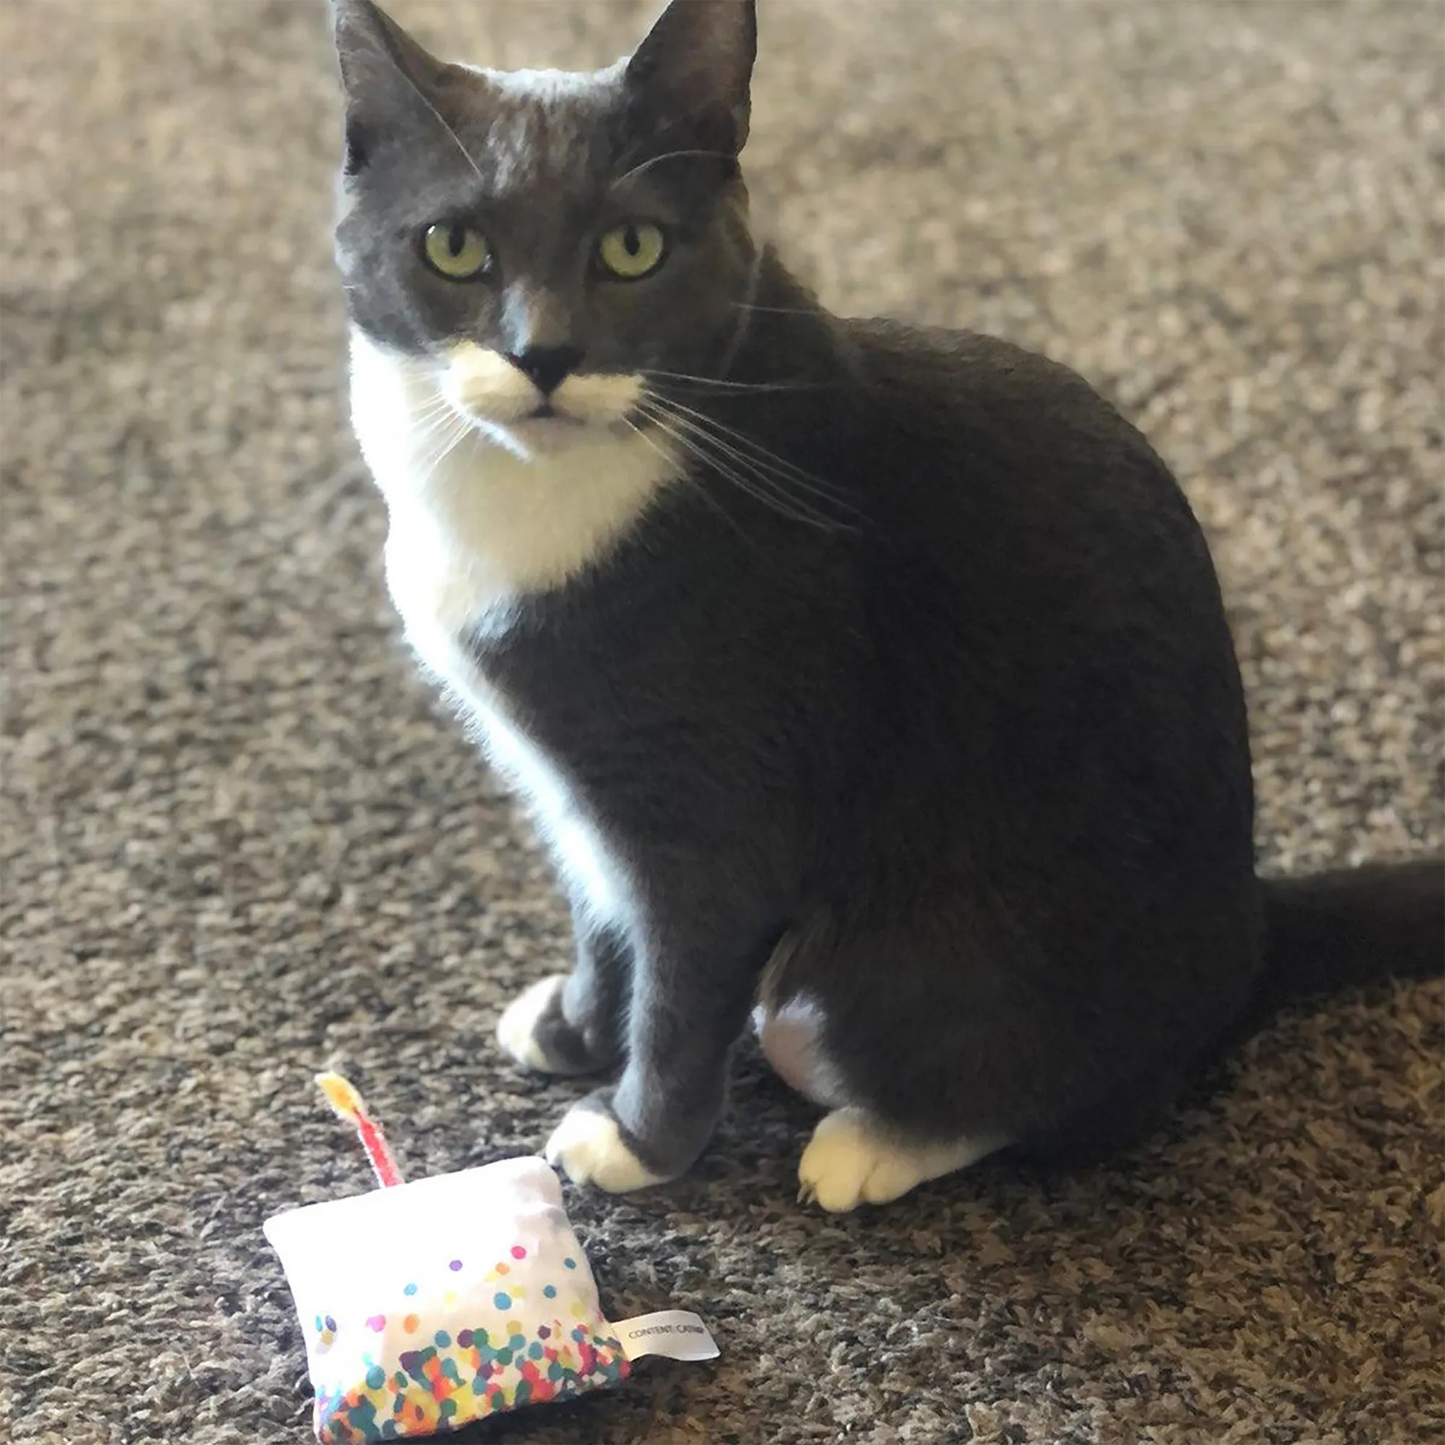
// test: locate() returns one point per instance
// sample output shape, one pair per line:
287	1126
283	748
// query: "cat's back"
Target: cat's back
991	397
1035	568
1006	468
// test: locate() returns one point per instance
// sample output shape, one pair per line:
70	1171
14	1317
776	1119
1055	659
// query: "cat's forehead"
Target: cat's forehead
534	125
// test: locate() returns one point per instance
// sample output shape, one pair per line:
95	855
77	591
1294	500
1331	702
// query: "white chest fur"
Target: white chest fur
473	527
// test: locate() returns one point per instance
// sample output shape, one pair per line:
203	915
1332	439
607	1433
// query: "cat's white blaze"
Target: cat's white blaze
476	525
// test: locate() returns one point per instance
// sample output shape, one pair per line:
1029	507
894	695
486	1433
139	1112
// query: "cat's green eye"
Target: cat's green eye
457	252
632	250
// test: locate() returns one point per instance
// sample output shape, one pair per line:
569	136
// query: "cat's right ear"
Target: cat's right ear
694	72
386	78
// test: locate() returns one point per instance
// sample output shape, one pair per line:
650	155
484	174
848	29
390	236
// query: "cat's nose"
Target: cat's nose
546	366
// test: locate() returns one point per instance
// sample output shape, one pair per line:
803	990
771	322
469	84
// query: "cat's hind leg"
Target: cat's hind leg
854	1158
906	1056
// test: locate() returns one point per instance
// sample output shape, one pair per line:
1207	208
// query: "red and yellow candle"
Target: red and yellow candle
341	1094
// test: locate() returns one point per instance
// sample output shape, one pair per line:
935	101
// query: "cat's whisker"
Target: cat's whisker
690	446
438	401
670	156
726	385
435	419
455	443
711	502
735	465
438	409
433	407
737	470
442	121
452	438
439	426
813	311
760	456
744	472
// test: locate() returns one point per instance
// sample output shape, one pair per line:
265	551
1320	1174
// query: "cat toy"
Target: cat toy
432	1303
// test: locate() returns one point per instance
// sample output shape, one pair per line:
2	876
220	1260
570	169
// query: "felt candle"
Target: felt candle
341	1094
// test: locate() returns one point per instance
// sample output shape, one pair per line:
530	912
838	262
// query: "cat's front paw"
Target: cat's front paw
588	1145
534	1032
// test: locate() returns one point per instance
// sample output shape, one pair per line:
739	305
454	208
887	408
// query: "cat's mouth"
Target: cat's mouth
545	430
546	411
542	431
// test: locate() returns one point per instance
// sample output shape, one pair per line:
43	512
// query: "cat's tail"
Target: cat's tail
1336	930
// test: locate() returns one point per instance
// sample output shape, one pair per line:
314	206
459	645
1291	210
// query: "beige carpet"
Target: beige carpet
240	842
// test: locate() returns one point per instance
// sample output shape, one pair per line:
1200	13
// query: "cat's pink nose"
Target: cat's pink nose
546	366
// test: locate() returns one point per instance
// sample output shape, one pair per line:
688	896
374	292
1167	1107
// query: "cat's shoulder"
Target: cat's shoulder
895	351
1034	415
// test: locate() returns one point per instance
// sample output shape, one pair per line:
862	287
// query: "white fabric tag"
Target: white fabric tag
677	1334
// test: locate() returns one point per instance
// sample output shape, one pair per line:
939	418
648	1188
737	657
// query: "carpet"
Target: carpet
241	840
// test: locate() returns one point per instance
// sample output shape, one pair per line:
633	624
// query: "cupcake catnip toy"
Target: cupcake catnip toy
435	1303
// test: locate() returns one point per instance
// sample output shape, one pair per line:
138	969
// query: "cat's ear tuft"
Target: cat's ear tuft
386	76
695	69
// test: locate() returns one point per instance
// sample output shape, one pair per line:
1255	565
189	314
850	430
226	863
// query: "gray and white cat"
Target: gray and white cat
870	681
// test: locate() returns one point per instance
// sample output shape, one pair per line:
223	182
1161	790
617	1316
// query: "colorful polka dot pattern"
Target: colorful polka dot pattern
447	1379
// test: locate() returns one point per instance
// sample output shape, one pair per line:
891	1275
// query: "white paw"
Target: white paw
589	1146
849	1161
517	1028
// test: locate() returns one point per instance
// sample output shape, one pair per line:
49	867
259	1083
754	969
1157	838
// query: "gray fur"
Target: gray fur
926	679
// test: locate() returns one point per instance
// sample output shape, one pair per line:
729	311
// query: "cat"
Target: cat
869	683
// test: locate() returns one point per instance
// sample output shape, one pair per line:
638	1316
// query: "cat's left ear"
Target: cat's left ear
694	71
387	79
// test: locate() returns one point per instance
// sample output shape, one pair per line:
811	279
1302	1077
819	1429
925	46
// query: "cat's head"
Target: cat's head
541	241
